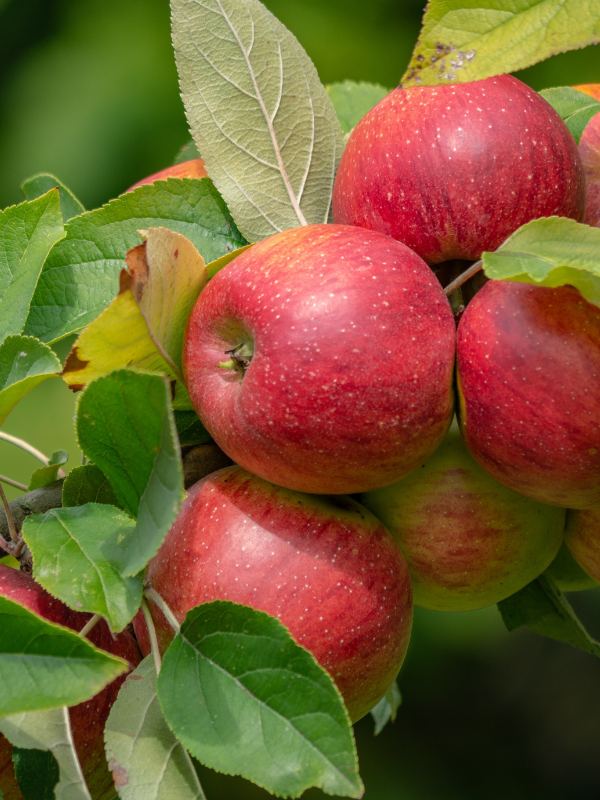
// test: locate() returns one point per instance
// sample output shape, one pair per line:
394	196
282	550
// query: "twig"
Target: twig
10	482
36	502
9	518
29	448
89	625
463	278
153	595
152	635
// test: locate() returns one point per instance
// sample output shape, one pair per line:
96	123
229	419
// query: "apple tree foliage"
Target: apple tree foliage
124	279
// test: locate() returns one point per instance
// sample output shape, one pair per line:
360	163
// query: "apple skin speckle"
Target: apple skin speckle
529	388
489	156
324	566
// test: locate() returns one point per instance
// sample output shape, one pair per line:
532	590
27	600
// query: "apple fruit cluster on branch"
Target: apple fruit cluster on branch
368	348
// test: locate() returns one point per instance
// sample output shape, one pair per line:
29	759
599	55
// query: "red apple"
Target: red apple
529	387
582	537
453	170
87	719
194	168
323	565
469	541
589	150
340	344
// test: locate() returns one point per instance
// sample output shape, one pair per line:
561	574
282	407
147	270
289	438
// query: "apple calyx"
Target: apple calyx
241	356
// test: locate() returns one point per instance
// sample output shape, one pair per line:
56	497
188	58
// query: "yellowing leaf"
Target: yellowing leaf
143	327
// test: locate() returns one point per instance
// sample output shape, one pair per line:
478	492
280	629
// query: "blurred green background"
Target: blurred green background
88	91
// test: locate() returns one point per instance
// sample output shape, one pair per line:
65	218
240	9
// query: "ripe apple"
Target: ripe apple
321	359
453	170
582	537
87	719
529	388
194	168
323	565
469	541
589	150
565	571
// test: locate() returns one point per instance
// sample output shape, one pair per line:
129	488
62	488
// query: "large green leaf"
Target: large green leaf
352	101
81	277
24	363
466	40
258	113
27	234
140	747
125	425
256	704
552	251
576	108
44	666
543	608
78	556
50	730
40	184
36	772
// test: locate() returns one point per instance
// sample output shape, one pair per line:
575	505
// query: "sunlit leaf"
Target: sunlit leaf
24	363
258	114
576	108
40	184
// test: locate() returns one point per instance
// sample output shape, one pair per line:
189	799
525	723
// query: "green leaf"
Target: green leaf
188	152
44	666
576	108
352	101
24	363
543	608
45	475
467	40
27	234
125	426
552	251
190	430
258	113
256	704
78	556
87	484
81	277
386	708
50	730
36	772
140	747
40	184
566	572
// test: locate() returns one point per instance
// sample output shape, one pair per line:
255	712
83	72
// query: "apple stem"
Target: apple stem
153	595
10	482
89	625
9	518
28	449
152	635
231	364
463	278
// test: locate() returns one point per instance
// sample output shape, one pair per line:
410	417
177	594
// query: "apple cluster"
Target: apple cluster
322	361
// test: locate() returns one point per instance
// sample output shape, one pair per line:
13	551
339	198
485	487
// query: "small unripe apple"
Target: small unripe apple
582	537
194	168
469	541
321	359
87	719
589	150
324	566
565	571
529	388
453	170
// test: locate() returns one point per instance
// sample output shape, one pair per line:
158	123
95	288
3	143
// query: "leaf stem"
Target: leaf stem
92	622
153	595
9	518
29	448
152	635
463	278
10	482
